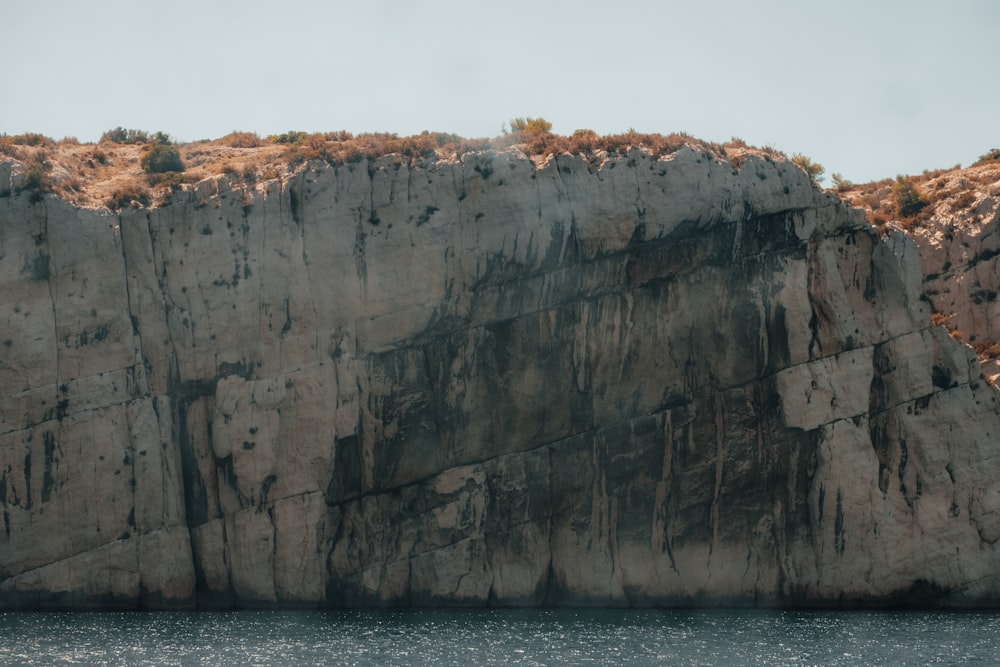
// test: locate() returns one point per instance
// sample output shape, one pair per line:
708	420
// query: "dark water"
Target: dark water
509	637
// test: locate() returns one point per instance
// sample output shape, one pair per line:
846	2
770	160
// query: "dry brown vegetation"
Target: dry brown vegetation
110	173
942	320
954	191
988	349
942	202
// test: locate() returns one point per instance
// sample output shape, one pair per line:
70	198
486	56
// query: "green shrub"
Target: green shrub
31	139
908	197
127	197
161	158
840	183
446	138
992	156
534	133
290	137
35	181
120	135
814	169
529	125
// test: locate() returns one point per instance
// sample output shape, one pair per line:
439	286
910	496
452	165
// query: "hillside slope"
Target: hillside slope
958	235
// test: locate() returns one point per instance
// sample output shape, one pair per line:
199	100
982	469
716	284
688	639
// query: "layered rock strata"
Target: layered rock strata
486	382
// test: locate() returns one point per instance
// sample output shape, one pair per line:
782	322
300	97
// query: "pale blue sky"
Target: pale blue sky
869	88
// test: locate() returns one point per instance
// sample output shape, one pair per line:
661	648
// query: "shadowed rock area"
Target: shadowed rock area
648	382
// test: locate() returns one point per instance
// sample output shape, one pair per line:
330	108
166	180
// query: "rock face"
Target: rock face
959	246
652	382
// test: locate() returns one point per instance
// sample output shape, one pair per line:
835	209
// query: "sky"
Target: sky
868	88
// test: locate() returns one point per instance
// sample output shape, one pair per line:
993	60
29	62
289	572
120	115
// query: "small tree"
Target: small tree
841	183
908	197
529	126
992	156
814	169
120	135
534	134
161	158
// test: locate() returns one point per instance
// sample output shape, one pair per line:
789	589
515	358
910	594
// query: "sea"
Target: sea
500	637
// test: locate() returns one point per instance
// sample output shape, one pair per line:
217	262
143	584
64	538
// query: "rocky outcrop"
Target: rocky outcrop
959	244
485	381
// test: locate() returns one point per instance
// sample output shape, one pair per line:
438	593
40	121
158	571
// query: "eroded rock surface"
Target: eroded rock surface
649	382
959	244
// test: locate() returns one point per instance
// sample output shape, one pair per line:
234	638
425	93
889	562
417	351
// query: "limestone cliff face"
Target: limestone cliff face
649	382
959	244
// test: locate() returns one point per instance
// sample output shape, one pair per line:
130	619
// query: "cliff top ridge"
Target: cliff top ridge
127	167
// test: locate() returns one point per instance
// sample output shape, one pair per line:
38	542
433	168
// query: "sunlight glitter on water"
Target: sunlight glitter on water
499	637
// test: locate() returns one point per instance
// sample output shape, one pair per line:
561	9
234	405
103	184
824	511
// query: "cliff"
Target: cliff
487	380
958	236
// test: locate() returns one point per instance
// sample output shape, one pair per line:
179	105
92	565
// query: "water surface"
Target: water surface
499	637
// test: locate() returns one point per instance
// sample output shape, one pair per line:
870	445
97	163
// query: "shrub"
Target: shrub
877	218
988	349
339	135
840	183
529	125
241	140
657	144
291	137
813	169
446	138
963	201
31	139
338	148
303	147
939	319
420	146
35	181
992	156
535	133
120	135
161	158
170	179
68	187
124	198
909	199
584	140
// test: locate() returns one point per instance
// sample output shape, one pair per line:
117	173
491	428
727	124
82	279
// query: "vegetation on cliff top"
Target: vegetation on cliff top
912	201
130	167
944	209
